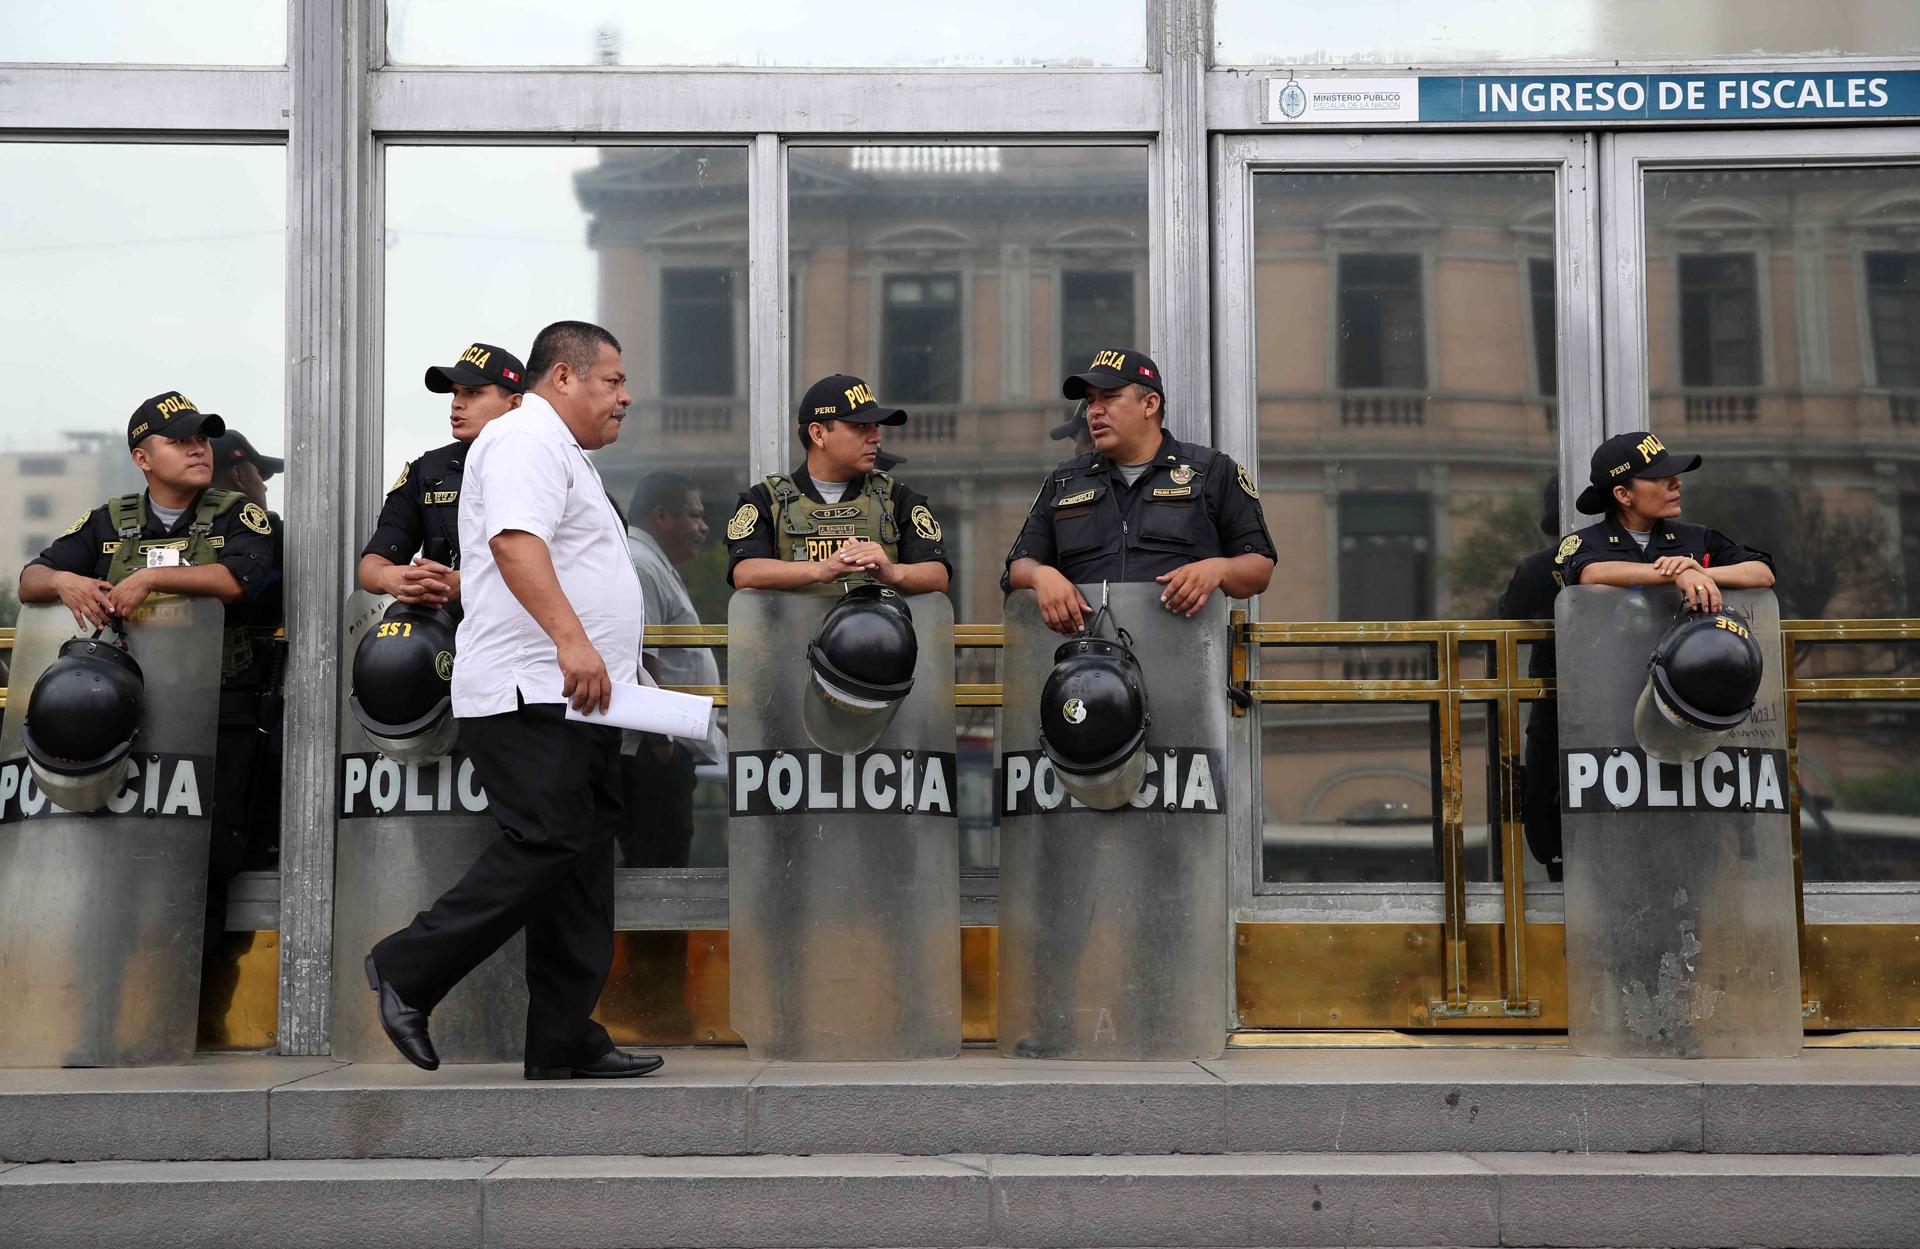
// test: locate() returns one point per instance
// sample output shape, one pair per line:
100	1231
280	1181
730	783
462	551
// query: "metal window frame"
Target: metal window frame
1237	159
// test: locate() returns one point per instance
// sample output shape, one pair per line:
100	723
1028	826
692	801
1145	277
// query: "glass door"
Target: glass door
1406	349
1763	310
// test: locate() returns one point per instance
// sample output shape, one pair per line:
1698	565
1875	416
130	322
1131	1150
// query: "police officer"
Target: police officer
182	535
1141	506
422	512
1635	481
1529	596
839	516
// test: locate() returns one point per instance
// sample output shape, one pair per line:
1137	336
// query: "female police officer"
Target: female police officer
1635	480
421	514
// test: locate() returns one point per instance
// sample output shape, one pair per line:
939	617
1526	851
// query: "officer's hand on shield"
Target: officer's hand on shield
1674	565
1061	605
125	599
868	557
85	597
1191	585
423	583
1701	592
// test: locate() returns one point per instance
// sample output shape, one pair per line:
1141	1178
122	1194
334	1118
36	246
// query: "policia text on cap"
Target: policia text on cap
1141	506
1635	481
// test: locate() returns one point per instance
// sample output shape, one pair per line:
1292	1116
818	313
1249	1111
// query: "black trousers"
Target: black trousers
555	787
659	831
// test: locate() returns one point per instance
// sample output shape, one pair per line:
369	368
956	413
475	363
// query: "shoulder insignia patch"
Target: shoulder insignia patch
1567	547
80	524
1085	496
1246	483
401	480
254	517
923	522
743	522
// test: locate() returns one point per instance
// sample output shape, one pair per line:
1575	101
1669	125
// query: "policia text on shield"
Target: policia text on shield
1141	506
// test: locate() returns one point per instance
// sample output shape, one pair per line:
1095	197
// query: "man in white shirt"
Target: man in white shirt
553	616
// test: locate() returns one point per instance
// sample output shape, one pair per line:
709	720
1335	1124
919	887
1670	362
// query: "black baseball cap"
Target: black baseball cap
1624	457
233	446
482	364
844	397
1071	426
171	415
1112	367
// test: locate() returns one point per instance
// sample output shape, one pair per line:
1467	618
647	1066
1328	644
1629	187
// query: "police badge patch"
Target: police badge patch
923	523
401	480
254	517
1567	548
743	522
1182	475
1246	483
80	524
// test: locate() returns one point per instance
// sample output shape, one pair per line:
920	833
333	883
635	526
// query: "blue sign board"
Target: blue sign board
1589	98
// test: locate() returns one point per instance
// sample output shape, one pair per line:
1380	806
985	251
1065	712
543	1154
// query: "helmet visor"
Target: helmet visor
1109	789
840	721
83	791
1668	737
423	744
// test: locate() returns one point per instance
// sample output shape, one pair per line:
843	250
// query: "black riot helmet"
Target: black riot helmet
81	720
861	663
1093	717
1701	682
403	684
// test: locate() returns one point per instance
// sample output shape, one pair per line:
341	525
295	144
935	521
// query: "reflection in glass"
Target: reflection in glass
1783	317
1406	358
206	32
954	284
764	33
1860	791
1400	33
90	274
647	241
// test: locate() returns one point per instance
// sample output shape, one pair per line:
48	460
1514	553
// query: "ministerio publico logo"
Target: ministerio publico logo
1292	100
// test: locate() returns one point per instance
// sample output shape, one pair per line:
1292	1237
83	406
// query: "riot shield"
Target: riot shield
844	907
1681	919
102	915
1113	924
406	833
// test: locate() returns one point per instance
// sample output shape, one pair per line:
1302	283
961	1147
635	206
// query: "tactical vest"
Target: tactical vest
198	547
806	530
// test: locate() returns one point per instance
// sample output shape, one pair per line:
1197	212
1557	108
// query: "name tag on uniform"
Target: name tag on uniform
162	557
1172	492
1085	496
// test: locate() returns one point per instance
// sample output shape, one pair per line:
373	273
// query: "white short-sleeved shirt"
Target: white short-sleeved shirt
526	471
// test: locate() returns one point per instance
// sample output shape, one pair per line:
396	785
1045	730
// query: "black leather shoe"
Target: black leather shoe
612	1065
405	1026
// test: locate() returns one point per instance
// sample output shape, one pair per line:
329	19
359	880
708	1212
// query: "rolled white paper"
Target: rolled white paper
651	710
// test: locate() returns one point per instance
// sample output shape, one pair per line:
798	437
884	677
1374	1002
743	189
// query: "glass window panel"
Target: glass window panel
1860	791
206	32
1781	322
88	271
1403	322
764	33
1399	33
939	280
1349	793
649	242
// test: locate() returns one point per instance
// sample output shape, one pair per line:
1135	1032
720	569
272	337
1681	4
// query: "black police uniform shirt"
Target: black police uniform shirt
422	511
760	541
243	530
1609	540
1191	503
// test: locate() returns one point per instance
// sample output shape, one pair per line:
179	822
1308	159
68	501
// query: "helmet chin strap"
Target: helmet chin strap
1104	615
